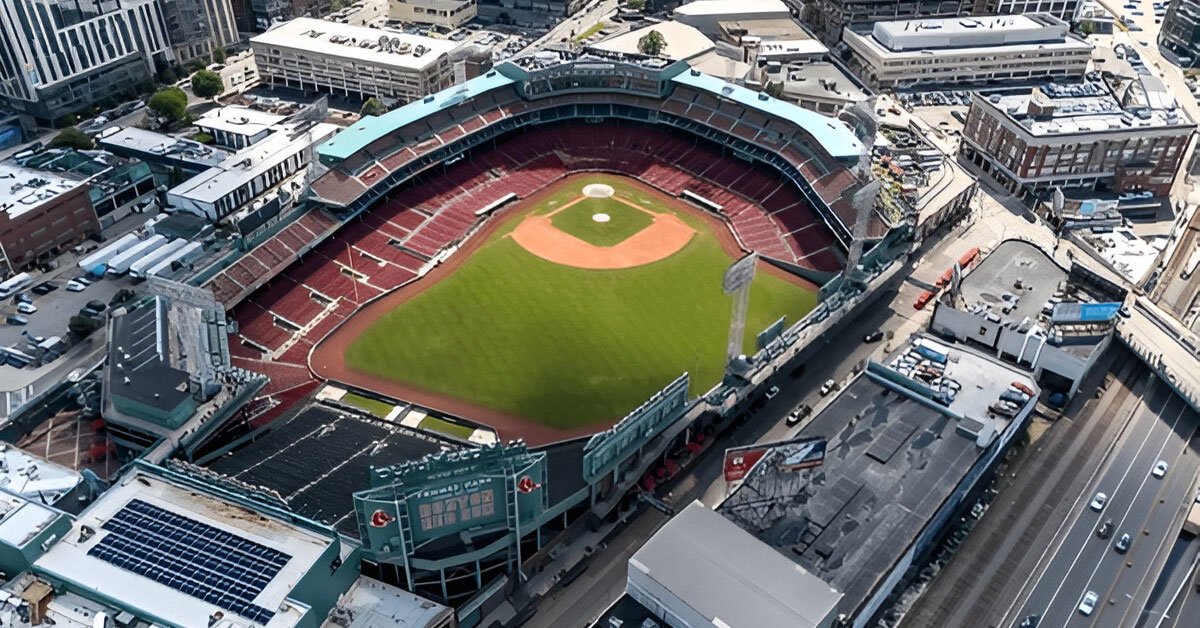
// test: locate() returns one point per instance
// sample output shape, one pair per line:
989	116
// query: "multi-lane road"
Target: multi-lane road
1149	509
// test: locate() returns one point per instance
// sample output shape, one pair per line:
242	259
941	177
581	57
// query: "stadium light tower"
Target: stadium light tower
737	283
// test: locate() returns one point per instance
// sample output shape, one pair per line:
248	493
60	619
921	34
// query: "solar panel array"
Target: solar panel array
195	558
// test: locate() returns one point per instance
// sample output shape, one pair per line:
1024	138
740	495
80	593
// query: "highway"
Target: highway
1163	427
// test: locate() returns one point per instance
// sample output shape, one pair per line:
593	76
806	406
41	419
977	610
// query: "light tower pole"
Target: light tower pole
737	283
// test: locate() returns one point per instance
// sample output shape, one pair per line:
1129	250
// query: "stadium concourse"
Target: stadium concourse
405	189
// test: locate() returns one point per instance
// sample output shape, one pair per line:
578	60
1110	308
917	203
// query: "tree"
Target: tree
652	44
170	103
774	89
207	84
372	108
72	138
635	5
82	326
219	55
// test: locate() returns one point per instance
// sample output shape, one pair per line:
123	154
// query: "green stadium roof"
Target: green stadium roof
832	134
371	128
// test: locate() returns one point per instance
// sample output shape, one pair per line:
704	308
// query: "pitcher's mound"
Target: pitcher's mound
598	190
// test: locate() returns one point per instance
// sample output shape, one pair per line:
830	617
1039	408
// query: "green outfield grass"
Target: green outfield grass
569	347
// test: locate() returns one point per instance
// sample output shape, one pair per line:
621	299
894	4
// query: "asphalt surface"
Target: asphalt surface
1163	427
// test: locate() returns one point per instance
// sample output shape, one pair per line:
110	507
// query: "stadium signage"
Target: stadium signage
604	451
787	456
740	274
381	518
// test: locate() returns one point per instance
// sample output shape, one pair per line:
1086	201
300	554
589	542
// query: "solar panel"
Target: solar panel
192	557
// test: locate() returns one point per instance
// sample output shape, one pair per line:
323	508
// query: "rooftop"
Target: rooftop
239	120
25	475
769	28
25	189
993	281
153	518
728	576
683	41
181	149
358	43
245	165
973	32
1053	110
315	458
892	459
372	604
743	9
140	370
22	519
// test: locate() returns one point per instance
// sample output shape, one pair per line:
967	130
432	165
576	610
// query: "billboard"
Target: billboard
1071	312
446	493
608	448
795	454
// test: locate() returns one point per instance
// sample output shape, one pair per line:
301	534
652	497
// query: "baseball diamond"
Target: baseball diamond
562	325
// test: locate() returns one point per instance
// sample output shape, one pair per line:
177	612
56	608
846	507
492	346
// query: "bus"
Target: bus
15	284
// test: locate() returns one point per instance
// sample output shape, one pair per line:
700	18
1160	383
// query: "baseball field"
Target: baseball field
572	308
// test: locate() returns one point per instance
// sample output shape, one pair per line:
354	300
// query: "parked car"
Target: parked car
1088	603
43	288
14	319
874	336
26	308
771	392
1098	501
828	387
1160	469
798	415
1105	530
99	306
75	286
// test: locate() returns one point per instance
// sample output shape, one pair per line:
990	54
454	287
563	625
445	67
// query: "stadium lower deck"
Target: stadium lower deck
388	245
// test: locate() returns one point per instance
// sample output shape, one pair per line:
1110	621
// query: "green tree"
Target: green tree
83	326
72	138
372	108
170	103
207	84
652	44
338	5
635	5
774	89
219	55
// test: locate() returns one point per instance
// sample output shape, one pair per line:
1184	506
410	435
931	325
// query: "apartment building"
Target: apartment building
196	27
59	57
1075	137
988	50
319	55
41	215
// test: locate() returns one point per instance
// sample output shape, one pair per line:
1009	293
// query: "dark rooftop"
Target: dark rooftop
998	272
137	370
890	463
319	456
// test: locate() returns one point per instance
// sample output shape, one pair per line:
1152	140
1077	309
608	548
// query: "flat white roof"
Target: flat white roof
23	189
359	43
22	520
683	41
69	560
969	32
32	477
372	603
736	9
248	163
145	141
240	120
1083	108
729	576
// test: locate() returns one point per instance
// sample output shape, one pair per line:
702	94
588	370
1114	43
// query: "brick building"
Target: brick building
1076	137
41	214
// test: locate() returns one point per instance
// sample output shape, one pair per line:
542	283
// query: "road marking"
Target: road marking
1124	476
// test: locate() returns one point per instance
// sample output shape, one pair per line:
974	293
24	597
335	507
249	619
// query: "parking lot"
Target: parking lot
55	309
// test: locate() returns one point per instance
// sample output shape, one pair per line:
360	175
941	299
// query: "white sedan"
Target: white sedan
1160	469
1088	603
1098	501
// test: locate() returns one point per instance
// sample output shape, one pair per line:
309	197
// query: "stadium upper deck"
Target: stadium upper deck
378	153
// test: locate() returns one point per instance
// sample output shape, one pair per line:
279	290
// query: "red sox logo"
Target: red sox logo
526	485
379	518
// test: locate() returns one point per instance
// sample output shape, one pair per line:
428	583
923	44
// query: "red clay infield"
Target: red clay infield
327	359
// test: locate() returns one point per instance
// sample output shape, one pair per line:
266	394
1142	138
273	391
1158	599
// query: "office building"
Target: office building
828	18
530	11
59	58
1074	136
196	27
346	60
448	13
956	51
1179	37
41	215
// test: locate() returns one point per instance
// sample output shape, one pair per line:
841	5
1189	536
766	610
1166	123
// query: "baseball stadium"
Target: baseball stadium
502	308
